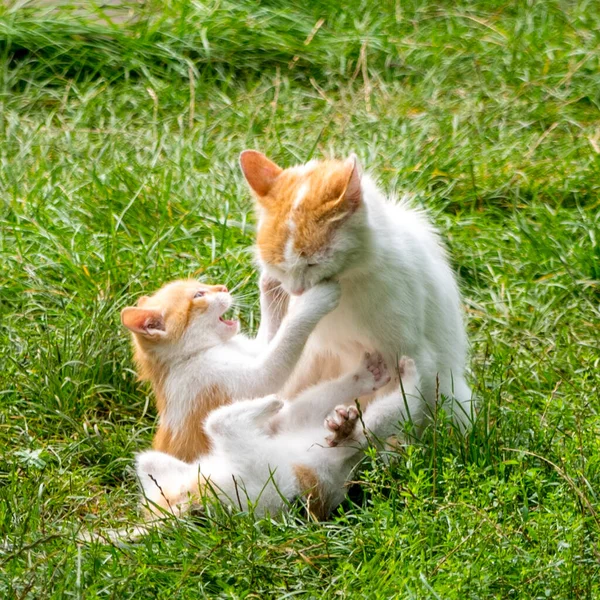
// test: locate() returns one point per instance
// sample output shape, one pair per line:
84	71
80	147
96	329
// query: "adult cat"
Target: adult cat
324	219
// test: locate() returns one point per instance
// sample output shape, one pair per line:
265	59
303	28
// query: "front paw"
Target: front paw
269	285
372	374
322	298
341	423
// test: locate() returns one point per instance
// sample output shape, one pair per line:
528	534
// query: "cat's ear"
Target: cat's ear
145	321
352	196
259	171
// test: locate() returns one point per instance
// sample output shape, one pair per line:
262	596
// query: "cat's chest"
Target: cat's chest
366	319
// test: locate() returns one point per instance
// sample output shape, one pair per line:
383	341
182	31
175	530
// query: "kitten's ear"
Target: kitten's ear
145	321
352	195
259	171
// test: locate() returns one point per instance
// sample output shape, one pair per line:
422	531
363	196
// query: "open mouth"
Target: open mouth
228	322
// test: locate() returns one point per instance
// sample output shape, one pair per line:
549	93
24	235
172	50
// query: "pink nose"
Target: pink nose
298	292
221	288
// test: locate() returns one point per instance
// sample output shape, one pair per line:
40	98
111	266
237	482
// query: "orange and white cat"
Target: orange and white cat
197	361
324	219
266	452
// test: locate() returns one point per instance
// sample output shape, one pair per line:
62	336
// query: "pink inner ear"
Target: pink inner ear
259	171
142	320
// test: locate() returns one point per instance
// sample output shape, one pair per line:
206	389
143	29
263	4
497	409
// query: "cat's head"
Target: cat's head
310	218
183	316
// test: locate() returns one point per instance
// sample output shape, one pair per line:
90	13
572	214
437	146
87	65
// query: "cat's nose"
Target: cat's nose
298	291
220	288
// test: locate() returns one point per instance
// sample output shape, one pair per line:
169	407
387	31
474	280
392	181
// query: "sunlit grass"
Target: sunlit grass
118	171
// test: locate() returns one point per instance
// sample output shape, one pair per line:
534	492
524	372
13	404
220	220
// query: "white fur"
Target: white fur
249	464
399	295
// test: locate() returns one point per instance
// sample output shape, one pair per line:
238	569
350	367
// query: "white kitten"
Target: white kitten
266	452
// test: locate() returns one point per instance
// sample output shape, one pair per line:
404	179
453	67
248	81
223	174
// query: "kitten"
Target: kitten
197	361
250	465
324	219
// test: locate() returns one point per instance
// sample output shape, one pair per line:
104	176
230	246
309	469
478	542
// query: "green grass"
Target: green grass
118	171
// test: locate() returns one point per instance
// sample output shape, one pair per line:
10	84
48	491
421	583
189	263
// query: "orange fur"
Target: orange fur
324	203
312	490
175	303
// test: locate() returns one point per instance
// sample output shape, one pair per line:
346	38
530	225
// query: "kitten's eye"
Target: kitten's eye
313	264
199	294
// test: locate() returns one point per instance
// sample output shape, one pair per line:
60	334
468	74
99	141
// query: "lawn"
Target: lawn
118	172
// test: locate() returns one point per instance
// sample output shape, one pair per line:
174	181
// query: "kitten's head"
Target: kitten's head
310	217
183	316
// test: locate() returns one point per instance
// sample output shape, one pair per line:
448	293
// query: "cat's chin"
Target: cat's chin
229	327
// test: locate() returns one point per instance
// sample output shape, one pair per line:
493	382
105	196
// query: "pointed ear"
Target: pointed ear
259	171
146	321
352	196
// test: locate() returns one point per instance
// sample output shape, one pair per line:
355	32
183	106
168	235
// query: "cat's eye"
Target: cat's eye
199	294
313	264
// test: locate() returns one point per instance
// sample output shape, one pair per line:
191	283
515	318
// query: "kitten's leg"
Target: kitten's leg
382	416
315	403
241	422
273	308
266	373
341	422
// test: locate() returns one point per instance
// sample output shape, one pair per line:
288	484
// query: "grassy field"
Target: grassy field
118	154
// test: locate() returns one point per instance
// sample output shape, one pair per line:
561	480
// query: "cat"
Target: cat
266	452
196	360
324	219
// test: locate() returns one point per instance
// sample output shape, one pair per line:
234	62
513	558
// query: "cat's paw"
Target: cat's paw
341	423
322	298
407	369
269	285
372	374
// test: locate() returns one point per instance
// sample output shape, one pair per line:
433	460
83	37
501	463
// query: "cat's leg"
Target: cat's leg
382	416
266	373
315	403
342	423
273	308
239	428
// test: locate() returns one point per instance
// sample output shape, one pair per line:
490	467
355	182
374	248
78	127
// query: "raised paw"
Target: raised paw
269	285
341	422
407	370
372	374
322	298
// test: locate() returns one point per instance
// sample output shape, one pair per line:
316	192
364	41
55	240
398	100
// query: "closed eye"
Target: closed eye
199	294
312	264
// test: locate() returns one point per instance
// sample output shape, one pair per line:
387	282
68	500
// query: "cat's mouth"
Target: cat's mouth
228	322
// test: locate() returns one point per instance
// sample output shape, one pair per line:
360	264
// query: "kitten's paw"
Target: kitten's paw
322	298
407	370
341	422
372	374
